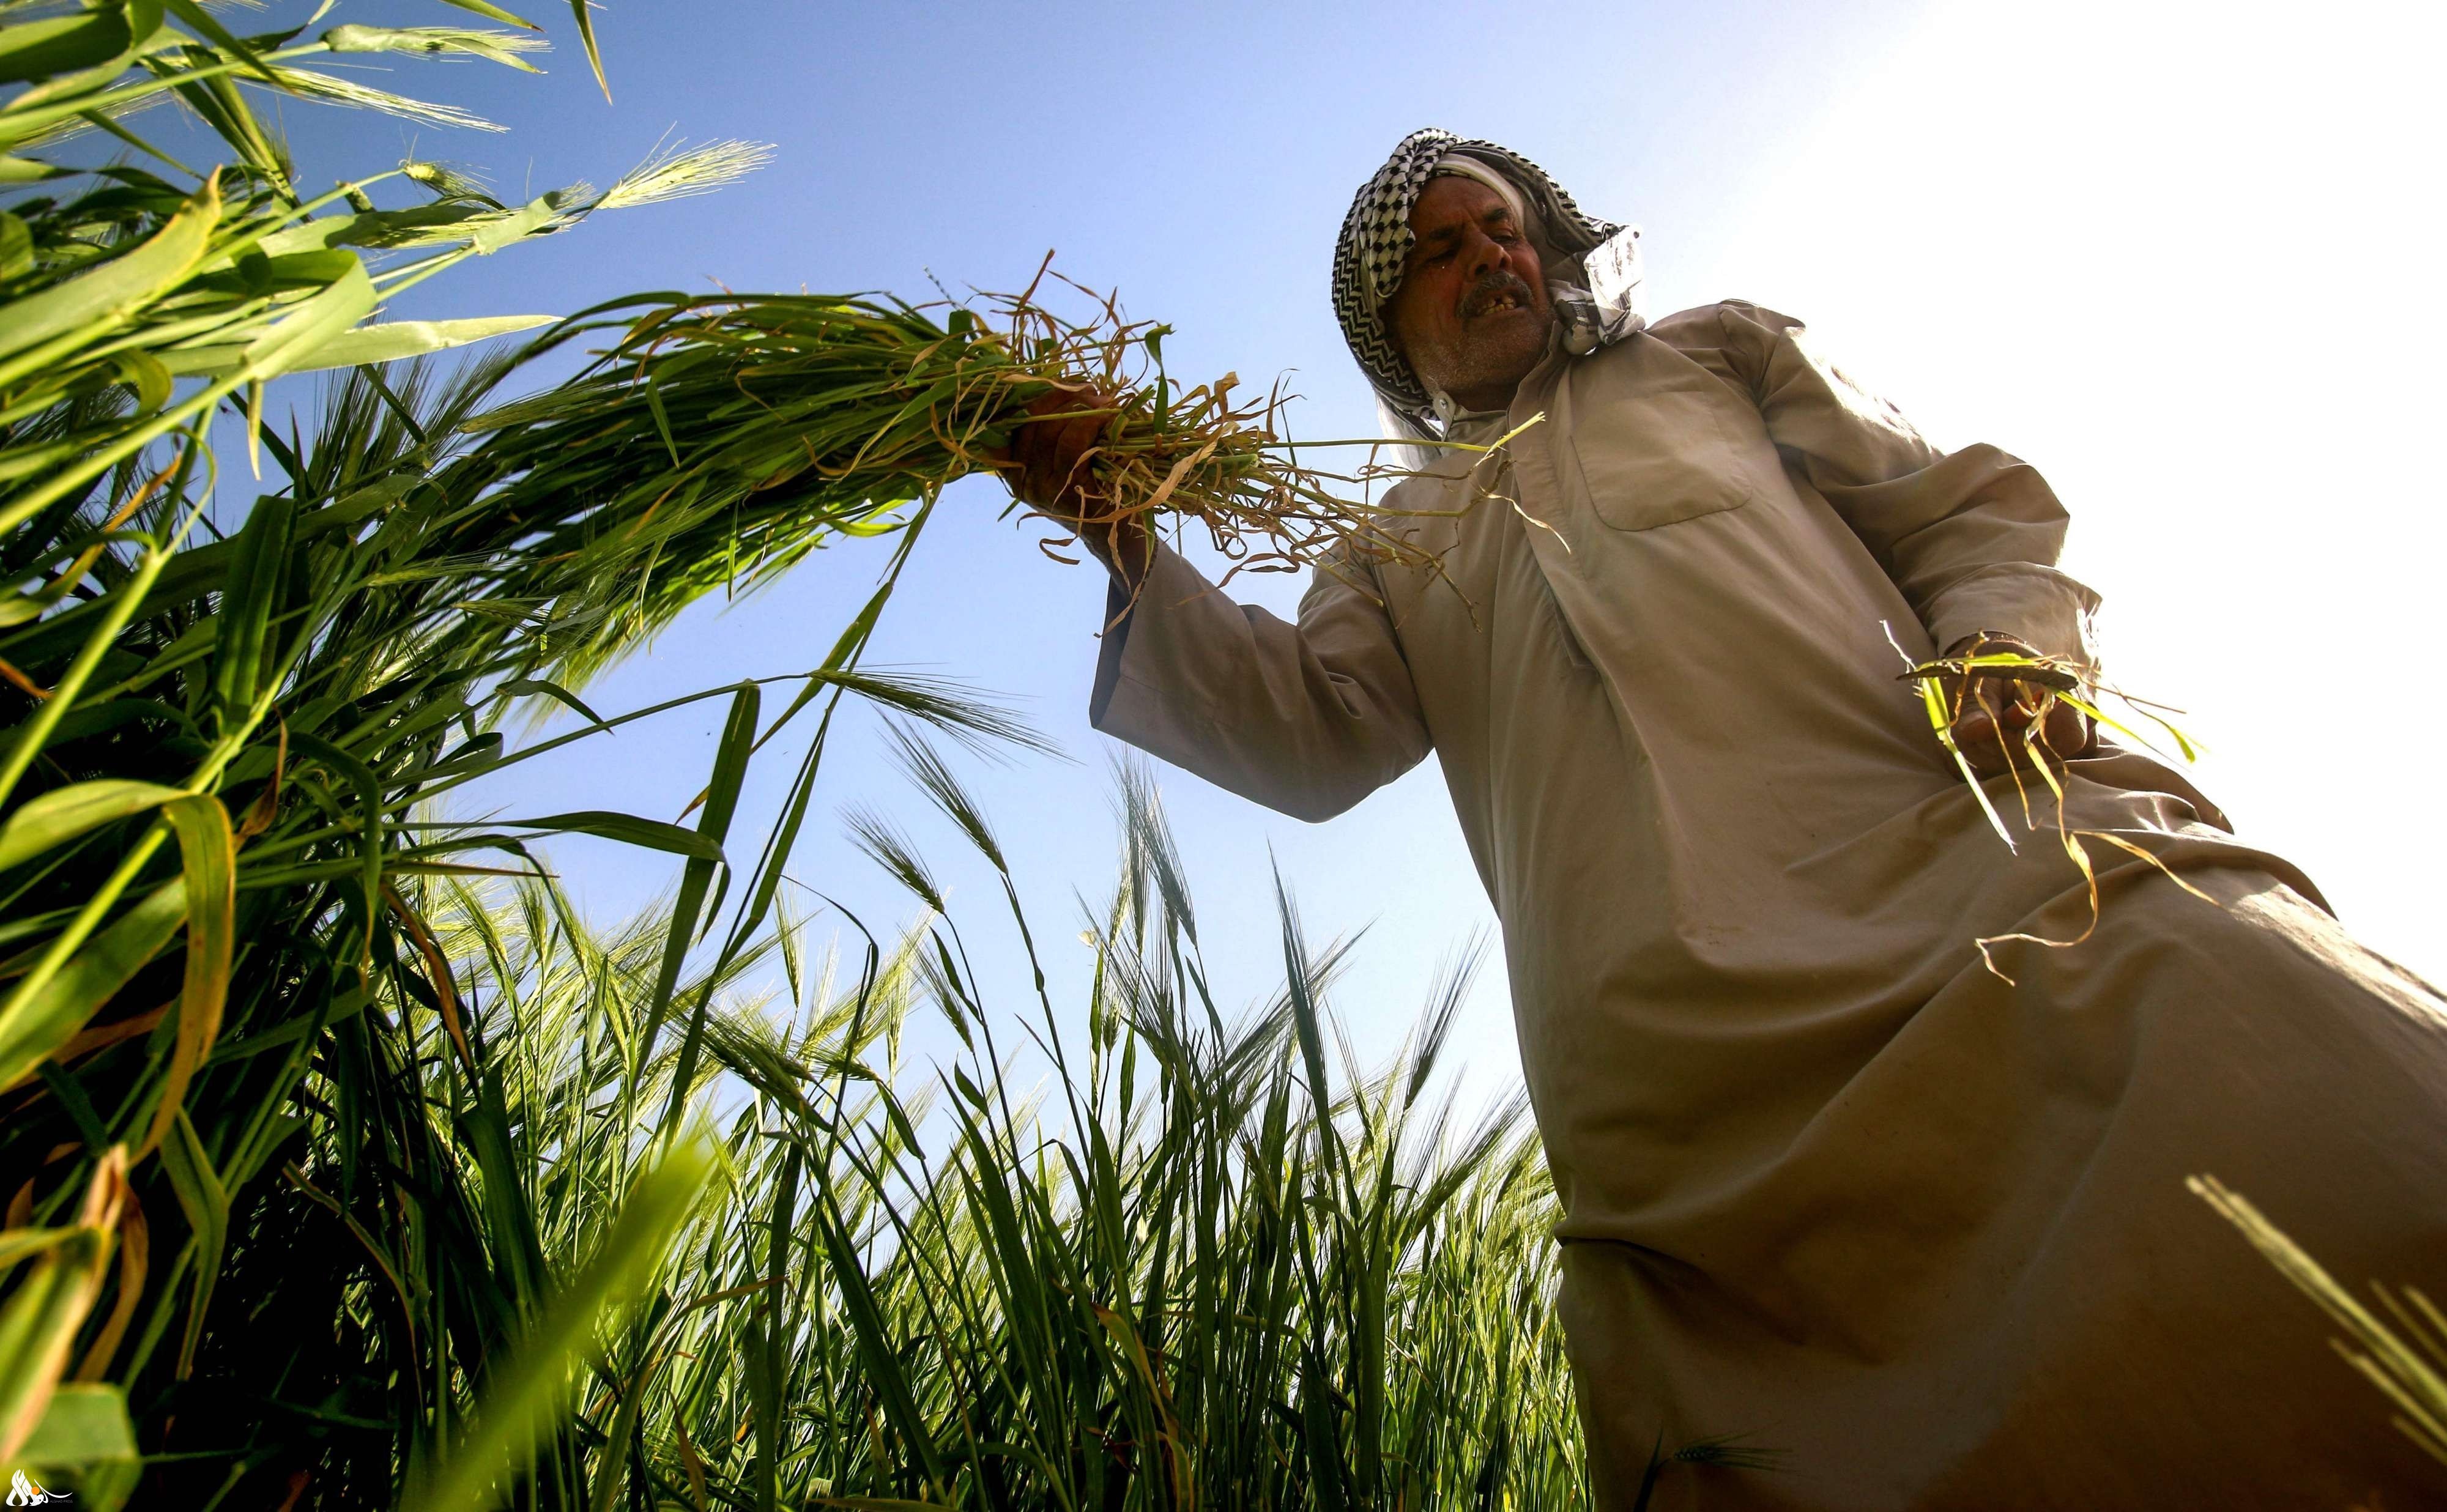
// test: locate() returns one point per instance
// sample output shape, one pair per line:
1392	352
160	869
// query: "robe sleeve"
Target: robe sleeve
1971	538
1307	719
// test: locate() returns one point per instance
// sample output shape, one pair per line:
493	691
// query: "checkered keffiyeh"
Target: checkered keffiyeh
1376	240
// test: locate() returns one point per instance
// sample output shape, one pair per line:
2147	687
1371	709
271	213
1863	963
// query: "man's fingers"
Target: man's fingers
1081	434
1050	453
1975	738
2070	732
1995	715
1063	463
1998	736
1042	452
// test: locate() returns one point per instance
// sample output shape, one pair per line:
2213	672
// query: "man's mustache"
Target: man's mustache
1492	287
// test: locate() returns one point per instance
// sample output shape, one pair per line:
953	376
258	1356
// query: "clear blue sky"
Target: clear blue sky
2050	227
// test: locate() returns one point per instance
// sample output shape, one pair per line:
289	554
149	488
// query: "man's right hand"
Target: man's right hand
1994	716
1049	467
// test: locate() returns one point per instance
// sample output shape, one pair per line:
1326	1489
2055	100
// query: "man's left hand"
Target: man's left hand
1994	712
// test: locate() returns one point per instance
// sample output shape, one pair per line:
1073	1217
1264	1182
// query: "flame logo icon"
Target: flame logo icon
24	1492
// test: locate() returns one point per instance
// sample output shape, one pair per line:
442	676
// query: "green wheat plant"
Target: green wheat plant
1183	1254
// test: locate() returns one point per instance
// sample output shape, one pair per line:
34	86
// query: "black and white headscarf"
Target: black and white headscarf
1376	242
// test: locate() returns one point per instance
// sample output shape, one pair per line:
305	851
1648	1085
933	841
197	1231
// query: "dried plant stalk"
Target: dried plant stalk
1946	687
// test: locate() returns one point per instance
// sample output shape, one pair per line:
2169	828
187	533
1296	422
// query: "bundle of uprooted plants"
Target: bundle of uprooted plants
767	422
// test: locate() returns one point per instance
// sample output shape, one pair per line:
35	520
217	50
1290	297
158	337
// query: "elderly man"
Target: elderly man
1827	1182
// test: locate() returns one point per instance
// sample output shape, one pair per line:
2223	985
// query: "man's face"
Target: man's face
1472	313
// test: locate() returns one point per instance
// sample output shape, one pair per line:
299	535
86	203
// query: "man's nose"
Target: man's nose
1483	254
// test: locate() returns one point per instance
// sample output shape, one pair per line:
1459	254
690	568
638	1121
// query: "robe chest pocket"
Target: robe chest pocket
1658	448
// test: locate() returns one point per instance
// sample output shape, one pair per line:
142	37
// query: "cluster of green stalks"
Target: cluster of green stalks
1191	1258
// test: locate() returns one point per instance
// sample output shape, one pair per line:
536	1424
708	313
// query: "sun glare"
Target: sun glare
2175	257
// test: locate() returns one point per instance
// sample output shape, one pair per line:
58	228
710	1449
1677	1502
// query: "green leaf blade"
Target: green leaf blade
63	814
